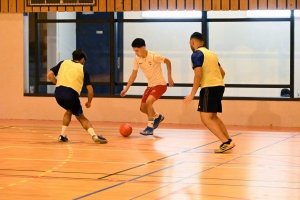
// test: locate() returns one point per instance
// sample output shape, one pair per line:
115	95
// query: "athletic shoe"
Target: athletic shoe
225	147
147	131
99	139
157	121
62	138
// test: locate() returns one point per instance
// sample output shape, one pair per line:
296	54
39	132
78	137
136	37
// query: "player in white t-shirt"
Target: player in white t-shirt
150	63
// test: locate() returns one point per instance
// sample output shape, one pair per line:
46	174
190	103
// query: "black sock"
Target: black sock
228	142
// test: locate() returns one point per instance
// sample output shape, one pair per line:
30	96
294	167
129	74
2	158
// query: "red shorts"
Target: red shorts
156	91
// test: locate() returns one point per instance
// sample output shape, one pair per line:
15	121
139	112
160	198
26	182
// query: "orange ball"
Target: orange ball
125	129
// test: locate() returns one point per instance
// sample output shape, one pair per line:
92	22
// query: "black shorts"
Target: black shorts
210	99
68	99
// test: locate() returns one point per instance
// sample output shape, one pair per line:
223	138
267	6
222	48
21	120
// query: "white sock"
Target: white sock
63	130
150	121
91	131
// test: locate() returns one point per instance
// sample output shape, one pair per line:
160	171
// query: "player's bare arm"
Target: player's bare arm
222	72
130	82
169	69
90	94
197	81
51	77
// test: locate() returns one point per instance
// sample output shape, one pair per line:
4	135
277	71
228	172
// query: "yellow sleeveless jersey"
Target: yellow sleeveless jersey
71	74
211	74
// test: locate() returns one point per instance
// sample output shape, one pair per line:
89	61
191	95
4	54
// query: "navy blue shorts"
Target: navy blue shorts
68	99
210	99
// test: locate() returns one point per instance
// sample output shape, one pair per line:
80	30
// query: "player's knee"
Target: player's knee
143	109
69	112
203	120
149	102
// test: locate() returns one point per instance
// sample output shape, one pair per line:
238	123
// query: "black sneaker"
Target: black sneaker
225	147
99	139
63	139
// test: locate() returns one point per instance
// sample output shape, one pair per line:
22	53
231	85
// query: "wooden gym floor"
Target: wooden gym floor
176	163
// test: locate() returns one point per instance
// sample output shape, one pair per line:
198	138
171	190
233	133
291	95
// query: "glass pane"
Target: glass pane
226	14
98	89
269	13
160	38
252	52
171	91
59	40
253	92
162	14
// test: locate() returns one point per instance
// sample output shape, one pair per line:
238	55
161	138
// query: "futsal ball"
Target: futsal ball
125	129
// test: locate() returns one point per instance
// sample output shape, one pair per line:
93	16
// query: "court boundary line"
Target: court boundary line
150	163
214	167
130	180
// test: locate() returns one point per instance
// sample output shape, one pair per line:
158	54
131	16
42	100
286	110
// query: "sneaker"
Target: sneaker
225	147
157	121
147	131
62	138
99	139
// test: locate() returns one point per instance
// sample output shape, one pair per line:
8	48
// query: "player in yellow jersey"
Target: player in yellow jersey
71	77
209	75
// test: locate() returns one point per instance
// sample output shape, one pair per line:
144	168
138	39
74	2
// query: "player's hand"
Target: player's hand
188	98
171	82
87	104
123	92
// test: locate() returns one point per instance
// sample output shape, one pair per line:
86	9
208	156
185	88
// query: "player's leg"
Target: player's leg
221	125
154	118
66	119
212	125
218	92
209	105
148	108
85	123
158	91
229	144
143	108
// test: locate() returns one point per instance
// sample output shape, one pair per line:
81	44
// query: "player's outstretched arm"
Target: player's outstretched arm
90	95
130	82
222	71
51	77
197	81
169	69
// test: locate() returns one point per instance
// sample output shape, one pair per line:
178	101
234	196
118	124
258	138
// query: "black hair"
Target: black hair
78	55
285	92
198	36
138	42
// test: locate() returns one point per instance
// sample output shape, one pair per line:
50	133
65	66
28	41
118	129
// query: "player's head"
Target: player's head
196	41
79	55
139	47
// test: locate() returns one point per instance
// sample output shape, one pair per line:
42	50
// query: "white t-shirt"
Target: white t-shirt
151	67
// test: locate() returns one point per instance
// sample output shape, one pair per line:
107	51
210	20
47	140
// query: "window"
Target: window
254	48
